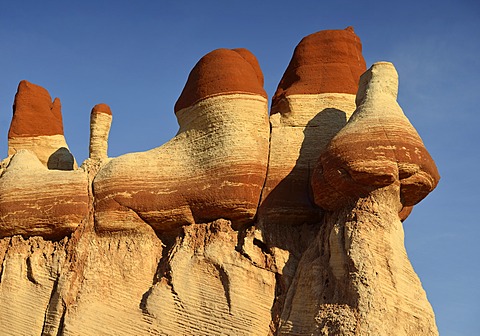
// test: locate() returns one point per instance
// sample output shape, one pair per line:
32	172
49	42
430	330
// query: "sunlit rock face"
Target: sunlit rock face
41	192
313	101
214	168
240	225
100	122
36	201
37	126
365	284
376	148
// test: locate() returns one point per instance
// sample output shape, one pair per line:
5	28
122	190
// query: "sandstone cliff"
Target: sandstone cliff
242	224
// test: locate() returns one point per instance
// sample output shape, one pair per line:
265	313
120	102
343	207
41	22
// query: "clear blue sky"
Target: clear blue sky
136	56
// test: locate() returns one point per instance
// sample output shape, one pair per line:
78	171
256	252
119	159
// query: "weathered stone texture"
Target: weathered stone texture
367	284
37	126
239	225
313	101
202	174
100	122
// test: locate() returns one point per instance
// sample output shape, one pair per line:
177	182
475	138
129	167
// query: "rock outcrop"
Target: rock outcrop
36	201
202	174
313	101
37	126
372	168
40	192
100	122
236	226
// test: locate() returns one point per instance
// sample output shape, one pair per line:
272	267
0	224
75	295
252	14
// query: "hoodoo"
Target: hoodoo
313	101
100	122
212	169
37	126
240	225
365	284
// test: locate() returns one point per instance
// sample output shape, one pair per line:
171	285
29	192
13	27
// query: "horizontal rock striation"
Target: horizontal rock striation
233	227
313	101
376	148
37	126
355	278
100	122
36	201
203	173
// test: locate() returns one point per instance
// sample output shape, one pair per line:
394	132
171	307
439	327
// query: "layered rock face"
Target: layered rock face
373	167
203	173
37	126
313	101
40	192
100	122
236	226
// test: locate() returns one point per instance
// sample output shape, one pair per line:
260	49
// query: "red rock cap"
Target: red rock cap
102	108
329	61
34	113
222	71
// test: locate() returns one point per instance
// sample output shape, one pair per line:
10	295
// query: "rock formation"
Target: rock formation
239	225
100	122
313	101
373	167
37	126
202	174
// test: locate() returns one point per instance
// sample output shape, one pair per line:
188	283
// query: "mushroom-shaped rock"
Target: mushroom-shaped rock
213	168
35	201
374	168
313	101
376	148
100	122
37	126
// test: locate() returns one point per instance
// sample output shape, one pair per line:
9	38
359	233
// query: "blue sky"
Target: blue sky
136	56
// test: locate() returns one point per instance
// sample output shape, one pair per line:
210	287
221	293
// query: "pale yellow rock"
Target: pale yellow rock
112	275
203	173
51	150
211	288
37	201
99	129
196	237
300	131
366	284
356	278
29	272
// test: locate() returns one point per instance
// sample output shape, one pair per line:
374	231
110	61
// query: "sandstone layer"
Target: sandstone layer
100	122
313	101
363	282
239	225
36	201
202	174
37	126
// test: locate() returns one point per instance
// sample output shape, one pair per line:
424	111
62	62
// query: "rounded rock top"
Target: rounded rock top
328	61
222	71
102	108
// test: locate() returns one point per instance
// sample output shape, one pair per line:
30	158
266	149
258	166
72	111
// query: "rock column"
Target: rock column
100	122
356	278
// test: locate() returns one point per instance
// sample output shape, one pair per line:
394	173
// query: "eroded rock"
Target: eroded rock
37	126
203	173
355	278
196	236
313	101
